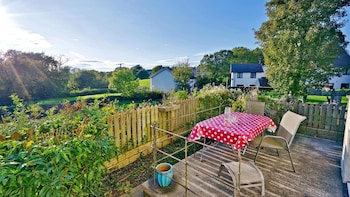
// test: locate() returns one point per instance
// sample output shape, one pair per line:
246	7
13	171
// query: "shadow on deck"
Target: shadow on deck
317	163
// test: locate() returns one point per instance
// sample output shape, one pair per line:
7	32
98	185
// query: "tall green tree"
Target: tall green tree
242	55
31	76
124	81
182	73
156	68
300	41
215	68
139	72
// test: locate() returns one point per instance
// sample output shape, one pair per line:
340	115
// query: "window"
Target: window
347	71
252	75
344	85
239	75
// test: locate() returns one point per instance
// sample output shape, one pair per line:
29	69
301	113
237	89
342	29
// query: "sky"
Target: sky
104	34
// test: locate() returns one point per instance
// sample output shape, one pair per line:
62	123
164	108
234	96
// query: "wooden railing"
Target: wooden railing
132	129
133	135
323	120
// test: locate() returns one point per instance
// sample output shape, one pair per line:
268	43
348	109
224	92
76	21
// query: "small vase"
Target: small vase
164	174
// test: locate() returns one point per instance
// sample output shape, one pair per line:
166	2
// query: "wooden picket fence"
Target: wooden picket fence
132	130
133	134
323	120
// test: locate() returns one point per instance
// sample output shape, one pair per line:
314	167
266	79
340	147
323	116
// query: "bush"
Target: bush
212	96
59	154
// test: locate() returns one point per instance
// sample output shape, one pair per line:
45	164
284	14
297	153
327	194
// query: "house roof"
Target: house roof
246	68
159	71
342	61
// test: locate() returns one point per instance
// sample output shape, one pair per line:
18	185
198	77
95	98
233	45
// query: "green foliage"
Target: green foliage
182	72
86	79
300	41
31	76
145	83
124	81
215	68
174	96
213	96
156	68
139	72
60	154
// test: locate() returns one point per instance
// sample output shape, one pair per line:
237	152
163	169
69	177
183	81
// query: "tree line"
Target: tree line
298	44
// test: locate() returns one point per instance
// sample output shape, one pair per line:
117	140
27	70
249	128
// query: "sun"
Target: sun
7	28
5	19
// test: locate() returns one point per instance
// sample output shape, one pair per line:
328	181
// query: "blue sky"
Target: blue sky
98	34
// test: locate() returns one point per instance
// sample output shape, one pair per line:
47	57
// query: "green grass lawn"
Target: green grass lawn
314	99
75	98
144	83
322	99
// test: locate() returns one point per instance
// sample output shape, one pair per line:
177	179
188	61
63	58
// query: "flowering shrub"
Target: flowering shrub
213	96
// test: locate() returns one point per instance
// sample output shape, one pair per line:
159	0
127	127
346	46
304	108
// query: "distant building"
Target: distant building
162	80
248	75
343	81
253	75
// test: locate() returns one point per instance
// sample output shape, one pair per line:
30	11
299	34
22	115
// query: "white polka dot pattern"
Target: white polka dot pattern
239	133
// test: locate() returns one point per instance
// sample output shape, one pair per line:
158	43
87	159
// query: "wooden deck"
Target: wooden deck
317	163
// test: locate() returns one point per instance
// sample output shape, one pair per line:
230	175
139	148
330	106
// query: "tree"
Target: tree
182	73
242	55
31	76
124	81
142	74
215	68
156	68
139	72
300	41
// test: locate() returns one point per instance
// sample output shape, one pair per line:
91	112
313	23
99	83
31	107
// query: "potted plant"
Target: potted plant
164	174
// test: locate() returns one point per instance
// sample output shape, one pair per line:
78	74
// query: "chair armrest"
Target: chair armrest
275	137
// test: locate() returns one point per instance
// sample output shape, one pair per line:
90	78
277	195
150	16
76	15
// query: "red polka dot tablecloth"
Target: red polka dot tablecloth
239	132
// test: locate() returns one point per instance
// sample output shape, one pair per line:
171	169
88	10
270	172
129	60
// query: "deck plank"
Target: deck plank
317	163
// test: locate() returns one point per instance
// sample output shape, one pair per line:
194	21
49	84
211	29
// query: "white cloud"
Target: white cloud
79	61
201	54
13	37
172	61
76	55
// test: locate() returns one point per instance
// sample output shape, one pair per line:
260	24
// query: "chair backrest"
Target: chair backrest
255	107
289	126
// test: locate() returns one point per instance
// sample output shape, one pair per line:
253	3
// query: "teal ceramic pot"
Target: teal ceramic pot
164	174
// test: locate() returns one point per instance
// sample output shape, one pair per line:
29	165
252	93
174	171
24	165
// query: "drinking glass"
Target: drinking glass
227	113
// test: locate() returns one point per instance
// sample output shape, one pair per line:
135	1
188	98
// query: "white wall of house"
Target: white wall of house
246	80
162	81
345	160
338	81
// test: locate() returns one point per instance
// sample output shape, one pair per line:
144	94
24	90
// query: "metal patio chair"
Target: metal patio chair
250	175
283	139
255	107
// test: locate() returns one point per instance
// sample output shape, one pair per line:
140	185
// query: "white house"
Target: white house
344	80
162	80
248	75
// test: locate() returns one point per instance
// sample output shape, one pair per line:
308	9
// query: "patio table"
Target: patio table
238	131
